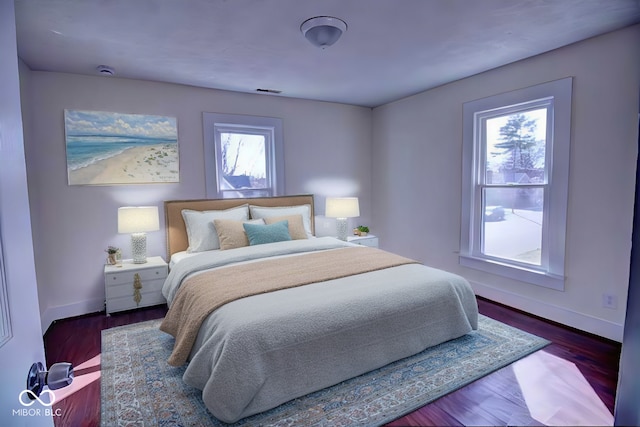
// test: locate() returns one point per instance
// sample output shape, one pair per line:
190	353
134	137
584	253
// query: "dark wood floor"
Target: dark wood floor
493	400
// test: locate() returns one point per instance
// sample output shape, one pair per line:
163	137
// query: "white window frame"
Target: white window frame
214	124
555	95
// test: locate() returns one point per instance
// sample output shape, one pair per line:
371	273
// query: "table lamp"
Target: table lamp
342	208
137	220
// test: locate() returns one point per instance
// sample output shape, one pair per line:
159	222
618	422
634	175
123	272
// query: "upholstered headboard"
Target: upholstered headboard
176	231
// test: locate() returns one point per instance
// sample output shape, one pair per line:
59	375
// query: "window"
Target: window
515	183
243	156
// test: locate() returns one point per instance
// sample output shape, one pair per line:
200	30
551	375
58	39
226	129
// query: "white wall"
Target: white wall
72	225
417	160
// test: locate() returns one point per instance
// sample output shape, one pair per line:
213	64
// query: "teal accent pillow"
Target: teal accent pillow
259	234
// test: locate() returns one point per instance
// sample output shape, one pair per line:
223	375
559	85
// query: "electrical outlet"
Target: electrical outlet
609	301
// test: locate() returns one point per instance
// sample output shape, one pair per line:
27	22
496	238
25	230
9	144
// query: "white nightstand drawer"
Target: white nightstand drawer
127	289
127	276
128	303
368	240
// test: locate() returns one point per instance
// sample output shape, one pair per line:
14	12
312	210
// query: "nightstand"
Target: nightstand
134	285
368	240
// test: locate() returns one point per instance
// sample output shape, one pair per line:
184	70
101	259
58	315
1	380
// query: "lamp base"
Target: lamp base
139	248
341	227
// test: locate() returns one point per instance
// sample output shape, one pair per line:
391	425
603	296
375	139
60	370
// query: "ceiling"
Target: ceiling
391	48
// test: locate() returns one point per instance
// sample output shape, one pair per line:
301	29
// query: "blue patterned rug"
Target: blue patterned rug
139	388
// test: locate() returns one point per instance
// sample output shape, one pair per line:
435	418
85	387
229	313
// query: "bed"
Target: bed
268	312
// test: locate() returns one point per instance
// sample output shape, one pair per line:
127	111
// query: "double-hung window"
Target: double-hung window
243	156
515	183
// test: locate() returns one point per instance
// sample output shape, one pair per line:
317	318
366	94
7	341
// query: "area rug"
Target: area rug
139	388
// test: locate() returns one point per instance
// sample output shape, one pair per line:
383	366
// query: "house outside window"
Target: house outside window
243	156
515	183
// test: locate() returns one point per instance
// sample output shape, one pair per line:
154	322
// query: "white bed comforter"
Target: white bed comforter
258	352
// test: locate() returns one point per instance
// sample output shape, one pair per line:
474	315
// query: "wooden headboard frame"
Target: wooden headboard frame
176	231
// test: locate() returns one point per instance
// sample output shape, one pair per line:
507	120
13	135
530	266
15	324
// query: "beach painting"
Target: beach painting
113	148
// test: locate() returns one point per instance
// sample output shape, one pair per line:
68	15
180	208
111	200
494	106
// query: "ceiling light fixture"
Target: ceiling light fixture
323	31
104	70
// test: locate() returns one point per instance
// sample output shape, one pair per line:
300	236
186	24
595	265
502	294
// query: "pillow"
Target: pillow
261	234
267	212
231	233
296	226
200	229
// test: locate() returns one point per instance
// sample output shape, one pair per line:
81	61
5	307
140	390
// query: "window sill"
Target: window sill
528	275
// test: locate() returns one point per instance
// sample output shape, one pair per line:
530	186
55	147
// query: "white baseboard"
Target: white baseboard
52	314
594	325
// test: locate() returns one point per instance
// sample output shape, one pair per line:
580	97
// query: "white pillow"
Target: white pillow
267	212
202	233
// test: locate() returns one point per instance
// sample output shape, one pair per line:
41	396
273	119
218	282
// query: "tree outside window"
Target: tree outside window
243	156
243	161
513	194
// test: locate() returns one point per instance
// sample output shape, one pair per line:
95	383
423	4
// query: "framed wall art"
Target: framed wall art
113	148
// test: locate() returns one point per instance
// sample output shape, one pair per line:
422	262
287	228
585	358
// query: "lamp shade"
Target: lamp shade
138	219
342	207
